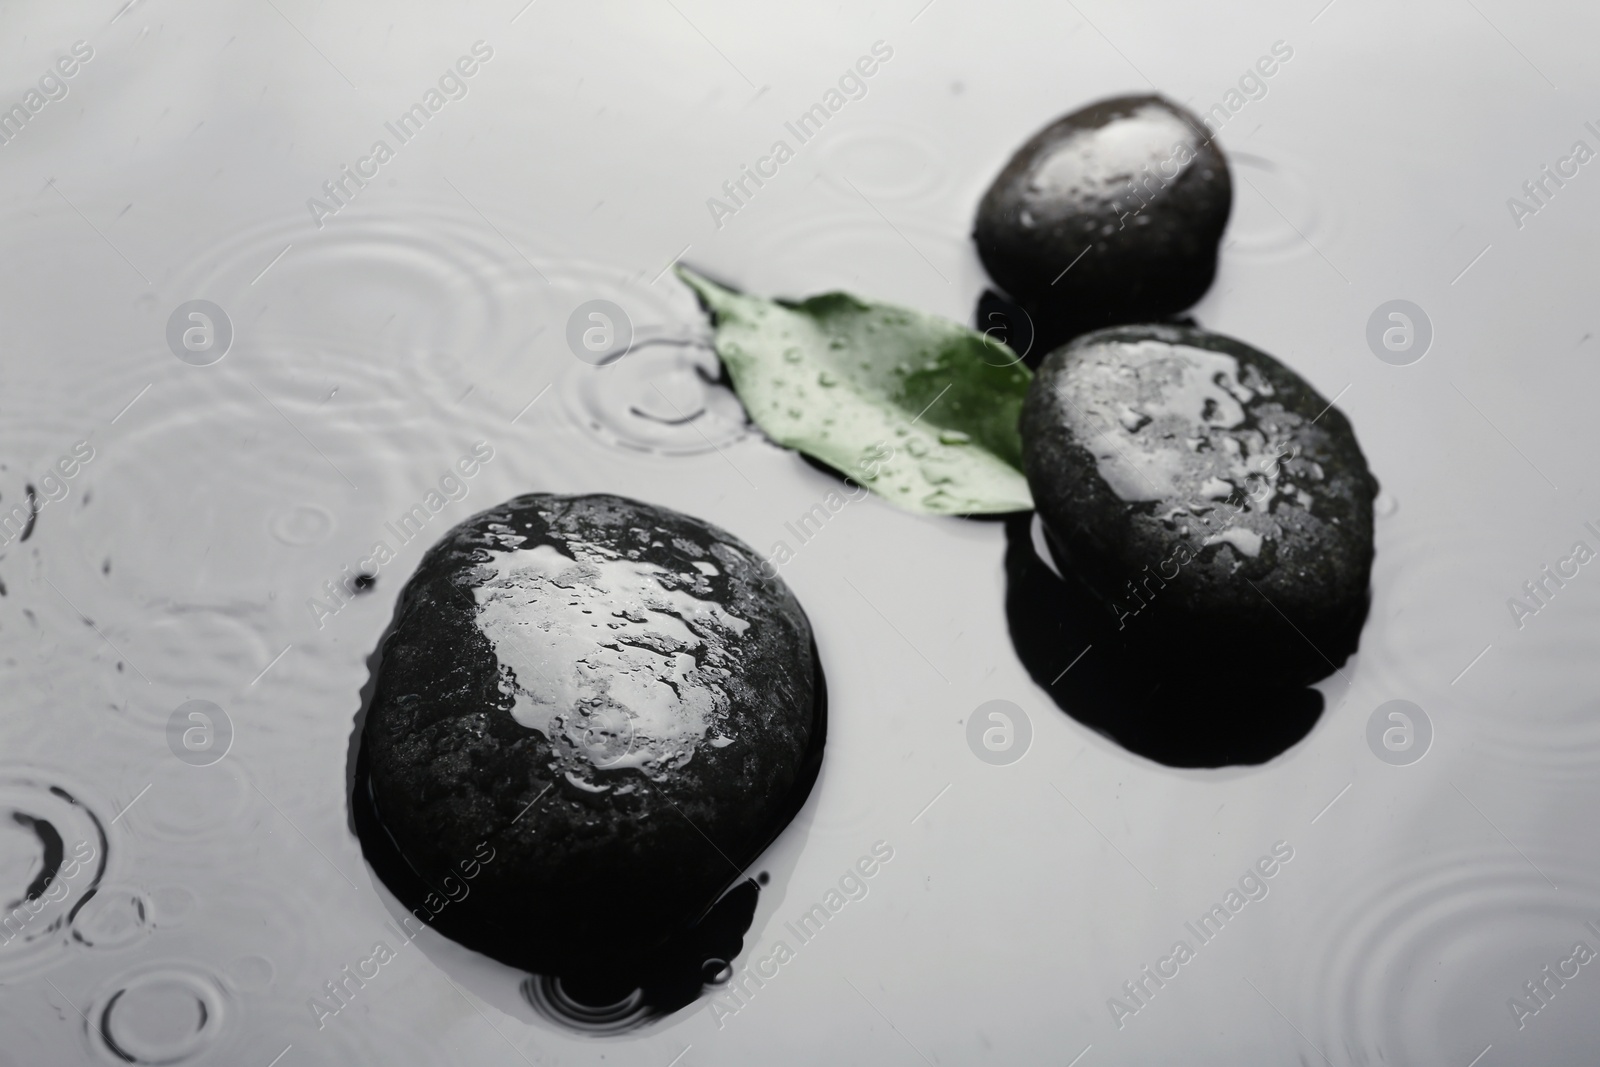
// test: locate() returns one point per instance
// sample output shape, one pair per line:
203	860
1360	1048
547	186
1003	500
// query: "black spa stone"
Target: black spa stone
1111	214
614	700
1215	504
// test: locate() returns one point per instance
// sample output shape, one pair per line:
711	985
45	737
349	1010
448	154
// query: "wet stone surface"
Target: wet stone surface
614	700
1111	214
1215	505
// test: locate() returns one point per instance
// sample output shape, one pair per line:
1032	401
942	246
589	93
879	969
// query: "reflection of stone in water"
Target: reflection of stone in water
692	965
592	1010
618	995
1143	697
664	397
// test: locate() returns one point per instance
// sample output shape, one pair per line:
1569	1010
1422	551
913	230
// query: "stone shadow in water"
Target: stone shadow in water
617	995
1149	697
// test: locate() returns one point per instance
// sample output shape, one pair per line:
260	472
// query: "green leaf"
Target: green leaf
919	409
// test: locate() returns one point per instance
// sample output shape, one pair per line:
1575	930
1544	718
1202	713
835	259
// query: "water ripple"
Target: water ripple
54	849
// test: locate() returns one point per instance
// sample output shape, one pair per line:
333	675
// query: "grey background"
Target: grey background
370	353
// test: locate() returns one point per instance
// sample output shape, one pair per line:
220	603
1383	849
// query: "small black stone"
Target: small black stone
1216	505
608	697
1111	214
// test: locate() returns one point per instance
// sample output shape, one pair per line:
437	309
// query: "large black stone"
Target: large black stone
1216	506
613	698
1111	214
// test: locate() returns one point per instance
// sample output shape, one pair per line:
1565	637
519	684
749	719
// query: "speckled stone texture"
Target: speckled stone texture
1111	214
613	697
1215	503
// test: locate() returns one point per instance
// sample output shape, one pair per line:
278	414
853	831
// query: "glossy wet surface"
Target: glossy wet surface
179	563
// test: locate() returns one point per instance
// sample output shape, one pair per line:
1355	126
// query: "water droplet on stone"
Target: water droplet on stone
1132	420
